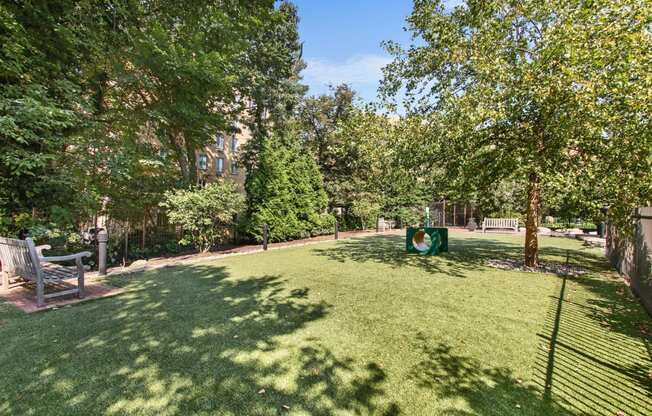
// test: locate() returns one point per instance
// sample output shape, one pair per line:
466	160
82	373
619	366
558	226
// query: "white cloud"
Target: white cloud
358	71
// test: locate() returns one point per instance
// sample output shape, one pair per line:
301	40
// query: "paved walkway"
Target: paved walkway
24	297
160	262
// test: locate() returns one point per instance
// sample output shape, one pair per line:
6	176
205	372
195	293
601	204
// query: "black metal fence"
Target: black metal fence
128	243
447	214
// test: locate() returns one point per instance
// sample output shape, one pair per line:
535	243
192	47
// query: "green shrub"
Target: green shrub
367	210
204	214
586	226
406	216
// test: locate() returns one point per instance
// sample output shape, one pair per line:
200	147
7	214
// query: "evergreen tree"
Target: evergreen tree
285	191
274	62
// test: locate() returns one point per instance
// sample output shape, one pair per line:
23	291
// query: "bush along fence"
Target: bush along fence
127	244
630	252
114	250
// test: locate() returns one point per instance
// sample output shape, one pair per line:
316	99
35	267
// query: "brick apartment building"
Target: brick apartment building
220	157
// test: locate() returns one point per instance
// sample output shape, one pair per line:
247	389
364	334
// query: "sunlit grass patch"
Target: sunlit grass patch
349	327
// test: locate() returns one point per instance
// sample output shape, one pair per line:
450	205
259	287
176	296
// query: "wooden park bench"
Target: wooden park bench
24	262
500	223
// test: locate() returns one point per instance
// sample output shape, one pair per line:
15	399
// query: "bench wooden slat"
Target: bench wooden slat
61	293
502	223
15	257
21	258
54	271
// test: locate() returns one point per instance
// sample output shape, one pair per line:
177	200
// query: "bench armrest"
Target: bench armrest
68	257
39	249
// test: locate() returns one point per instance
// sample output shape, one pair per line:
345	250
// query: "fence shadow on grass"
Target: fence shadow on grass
595	347
485	390
593	357
183	341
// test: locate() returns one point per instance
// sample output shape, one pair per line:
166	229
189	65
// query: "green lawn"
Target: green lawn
354	327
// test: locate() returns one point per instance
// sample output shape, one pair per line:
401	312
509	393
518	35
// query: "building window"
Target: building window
203	162
219	141
234	144
234	168
219	166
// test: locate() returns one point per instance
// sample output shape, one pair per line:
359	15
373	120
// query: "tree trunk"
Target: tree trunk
444	213
178	144
192	162
532	222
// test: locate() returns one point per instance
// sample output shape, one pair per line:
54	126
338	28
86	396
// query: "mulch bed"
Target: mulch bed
519	265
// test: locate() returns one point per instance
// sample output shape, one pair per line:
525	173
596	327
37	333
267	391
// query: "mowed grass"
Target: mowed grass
353	327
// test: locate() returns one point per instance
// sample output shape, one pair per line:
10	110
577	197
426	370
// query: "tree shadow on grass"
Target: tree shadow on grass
466	255
186	340
593	358
482	390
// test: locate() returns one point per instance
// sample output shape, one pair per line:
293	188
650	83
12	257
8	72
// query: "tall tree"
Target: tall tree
285	191
182	71
371	162
39	100
284	186
271	81
319	118
50	99
517	90
86	83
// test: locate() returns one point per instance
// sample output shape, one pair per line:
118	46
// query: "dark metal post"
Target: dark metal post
444	217
337	230
126	255
265	235
464	221
102	239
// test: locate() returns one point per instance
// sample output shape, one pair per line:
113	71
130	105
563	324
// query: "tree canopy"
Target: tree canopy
113	99
553	93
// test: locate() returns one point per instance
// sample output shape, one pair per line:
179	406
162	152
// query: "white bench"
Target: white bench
500	223
22	260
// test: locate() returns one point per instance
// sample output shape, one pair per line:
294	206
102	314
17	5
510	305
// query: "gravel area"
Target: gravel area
519	265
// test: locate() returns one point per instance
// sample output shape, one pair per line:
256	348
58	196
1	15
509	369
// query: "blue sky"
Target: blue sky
342	41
